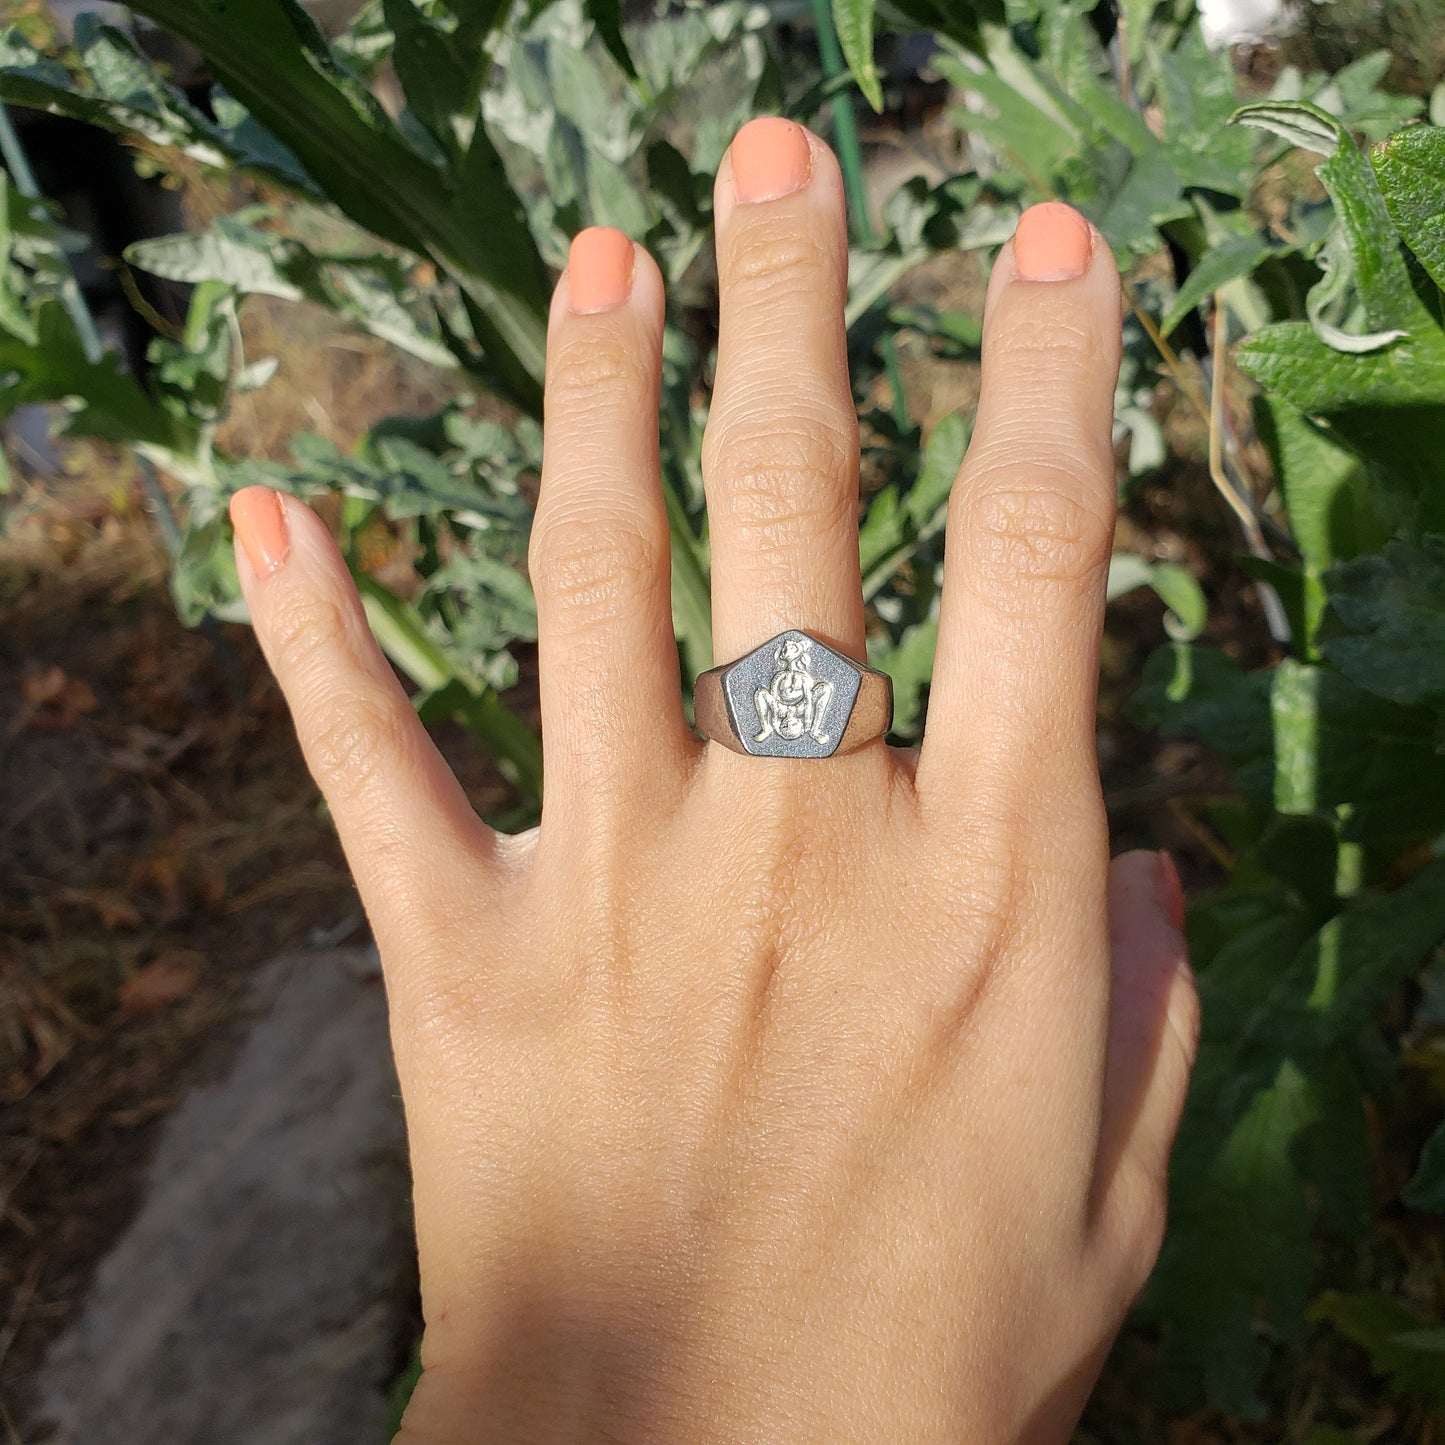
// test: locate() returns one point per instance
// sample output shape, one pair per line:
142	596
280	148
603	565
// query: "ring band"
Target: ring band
793	697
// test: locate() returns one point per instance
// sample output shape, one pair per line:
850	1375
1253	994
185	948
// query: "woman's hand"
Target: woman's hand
757	1099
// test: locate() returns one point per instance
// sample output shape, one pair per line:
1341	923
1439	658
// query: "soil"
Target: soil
161	840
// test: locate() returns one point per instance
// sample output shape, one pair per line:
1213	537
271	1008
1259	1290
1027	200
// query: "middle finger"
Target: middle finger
780	457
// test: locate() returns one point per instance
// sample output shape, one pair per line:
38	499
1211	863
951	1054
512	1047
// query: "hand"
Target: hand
759	1099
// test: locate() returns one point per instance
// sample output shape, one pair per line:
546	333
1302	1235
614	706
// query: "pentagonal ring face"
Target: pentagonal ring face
791	697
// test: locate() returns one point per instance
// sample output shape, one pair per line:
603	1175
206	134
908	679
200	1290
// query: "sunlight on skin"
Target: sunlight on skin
754	1098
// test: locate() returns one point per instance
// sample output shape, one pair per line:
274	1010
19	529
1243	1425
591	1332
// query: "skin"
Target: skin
763	1100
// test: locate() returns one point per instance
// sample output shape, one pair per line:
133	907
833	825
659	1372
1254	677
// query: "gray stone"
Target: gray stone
255	1298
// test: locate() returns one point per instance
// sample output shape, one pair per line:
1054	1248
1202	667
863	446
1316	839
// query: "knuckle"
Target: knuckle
780	259
360	734
781	477
1046	343
591	567
1045	531
307	631
591	369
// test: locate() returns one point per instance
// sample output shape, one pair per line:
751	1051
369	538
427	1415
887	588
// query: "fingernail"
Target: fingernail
260	523
599	269
1170	892
1053	242
771	158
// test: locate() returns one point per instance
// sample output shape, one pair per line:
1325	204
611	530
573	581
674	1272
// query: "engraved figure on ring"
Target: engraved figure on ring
795	703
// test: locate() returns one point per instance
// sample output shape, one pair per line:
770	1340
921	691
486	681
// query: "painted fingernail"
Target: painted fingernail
260	523
599	269
771	158
1053	242
1170	892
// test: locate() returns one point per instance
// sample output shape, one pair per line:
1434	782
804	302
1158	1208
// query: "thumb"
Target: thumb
403	819
1153	1029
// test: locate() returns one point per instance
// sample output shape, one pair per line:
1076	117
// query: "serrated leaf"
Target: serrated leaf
1411	172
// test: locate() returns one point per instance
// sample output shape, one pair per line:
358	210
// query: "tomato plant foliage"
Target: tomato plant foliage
433	224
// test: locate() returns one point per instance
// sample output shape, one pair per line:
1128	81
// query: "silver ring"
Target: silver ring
793	697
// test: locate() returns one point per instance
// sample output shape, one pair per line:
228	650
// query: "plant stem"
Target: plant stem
850	160
399	630
691	594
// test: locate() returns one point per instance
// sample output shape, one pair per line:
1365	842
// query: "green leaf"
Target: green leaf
1235	257
1303	737
1426	1190
1197	94
1388	405
1369	256
119	89
403	637
1331	512
1393	607
1410	168
853	20
1213	1276
1173	585
437	82
1286	1024
1388	1331
102	398
1296	121
1022	118
606	18
894	527
1198	692
270	55
372	291
909	662
959	20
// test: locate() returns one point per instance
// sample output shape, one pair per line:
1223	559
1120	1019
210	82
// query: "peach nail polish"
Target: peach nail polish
1170	892
771	158
260	523
1053	243
599	269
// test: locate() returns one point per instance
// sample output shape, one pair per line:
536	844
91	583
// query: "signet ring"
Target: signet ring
793	697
